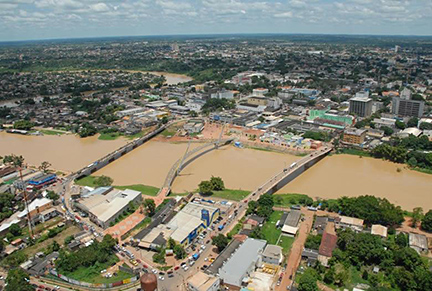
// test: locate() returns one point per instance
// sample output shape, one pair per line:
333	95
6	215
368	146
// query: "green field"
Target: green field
354	152
286	200
87	181
230	194
109	136
51	132
286	242
92	274
269	230
167	133
144	189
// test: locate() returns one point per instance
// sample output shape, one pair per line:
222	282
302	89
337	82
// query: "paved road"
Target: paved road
294	258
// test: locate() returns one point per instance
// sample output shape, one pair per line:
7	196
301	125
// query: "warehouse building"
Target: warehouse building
191	220
243	262
104	207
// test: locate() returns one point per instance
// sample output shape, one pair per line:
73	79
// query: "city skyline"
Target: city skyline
52	19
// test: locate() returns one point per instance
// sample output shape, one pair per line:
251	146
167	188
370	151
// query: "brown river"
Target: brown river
245	169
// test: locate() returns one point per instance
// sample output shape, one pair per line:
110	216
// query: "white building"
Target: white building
243	262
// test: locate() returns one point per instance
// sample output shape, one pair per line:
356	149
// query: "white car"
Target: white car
155	271
186	268
191	263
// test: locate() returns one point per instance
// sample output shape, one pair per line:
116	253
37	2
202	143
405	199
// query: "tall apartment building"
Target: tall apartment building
404	106
361	105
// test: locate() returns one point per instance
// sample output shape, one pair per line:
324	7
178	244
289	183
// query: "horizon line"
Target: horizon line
210	35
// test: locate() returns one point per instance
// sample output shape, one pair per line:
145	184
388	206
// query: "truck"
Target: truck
293	165
196	256
220	227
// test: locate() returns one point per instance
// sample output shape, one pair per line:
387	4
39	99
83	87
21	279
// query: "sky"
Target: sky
48	19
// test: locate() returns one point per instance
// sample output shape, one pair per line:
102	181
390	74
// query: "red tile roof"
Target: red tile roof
328	243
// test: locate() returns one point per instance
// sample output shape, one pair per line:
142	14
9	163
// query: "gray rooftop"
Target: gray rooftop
238	265
293	218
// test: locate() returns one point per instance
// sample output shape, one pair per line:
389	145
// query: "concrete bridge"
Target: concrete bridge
188	158
111	157
288	174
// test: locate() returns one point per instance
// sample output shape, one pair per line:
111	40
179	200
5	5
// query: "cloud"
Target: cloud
287	14
99	7
92	17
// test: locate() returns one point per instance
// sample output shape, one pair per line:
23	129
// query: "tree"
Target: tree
171	243
217	183
220	241
55	246
400	124
205	188
17	279
44	166
427	221
308	281
15	229
150	206
387	130
23	125
416	216
179	252
164	120
103	181
53	196
401	240
412	122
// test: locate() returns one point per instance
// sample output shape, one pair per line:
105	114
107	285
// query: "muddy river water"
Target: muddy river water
245	169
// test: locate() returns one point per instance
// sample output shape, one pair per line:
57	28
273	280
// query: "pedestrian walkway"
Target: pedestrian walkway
125	225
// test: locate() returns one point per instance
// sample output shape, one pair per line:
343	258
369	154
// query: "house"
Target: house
344	222
320	224
309	255
328	244
250	224
291	222
418	242
272	254
378	229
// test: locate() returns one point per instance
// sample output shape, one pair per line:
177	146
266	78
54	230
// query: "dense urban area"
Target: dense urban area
302	98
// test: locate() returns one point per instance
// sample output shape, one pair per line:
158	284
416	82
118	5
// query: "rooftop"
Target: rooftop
241	260
380	230
328	243
202	281
293	218
35	204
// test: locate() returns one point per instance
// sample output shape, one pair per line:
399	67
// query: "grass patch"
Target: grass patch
51	132
92	274
87	181
230	194
141	133
354	152
269	230
167	133
236	228
164	268
41	246
287	200
261	149
109	136
423	170
144	189
286	243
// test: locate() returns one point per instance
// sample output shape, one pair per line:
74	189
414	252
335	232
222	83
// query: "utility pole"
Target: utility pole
30	225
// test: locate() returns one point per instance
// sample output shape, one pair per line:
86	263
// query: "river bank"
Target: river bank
240	168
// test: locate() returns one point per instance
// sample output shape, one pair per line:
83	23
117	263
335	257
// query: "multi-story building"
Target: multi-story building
361	105
354	136
407	107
